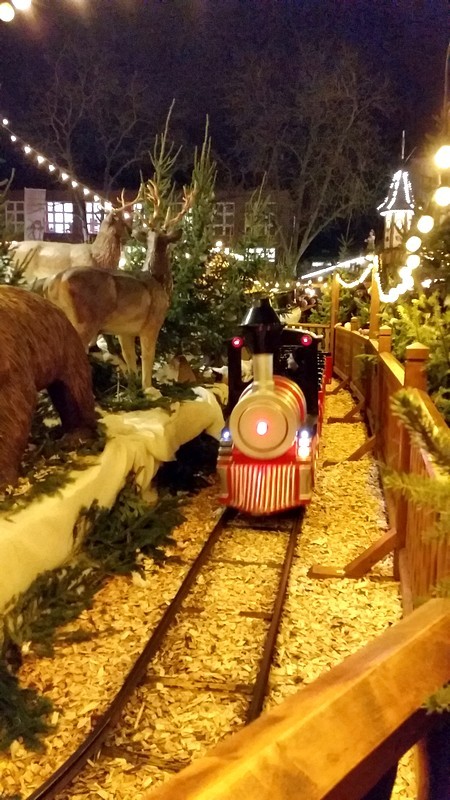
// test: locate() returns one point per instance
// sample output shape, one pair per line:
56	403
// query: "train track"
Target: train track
94	742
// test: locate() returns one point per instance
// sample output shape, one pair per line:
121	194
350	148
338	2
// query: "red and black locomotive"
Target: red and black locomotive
268	450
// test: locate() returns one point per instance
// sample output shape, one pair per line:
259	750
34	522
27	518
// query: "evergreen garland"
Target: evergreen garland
118	540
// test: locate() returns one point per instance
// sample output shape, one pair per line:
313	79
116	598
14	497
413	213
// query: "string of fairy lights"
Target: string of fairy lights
60	173
8	10
413	245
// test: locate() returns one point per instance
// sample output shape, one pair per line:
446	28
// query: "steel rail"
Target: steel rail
260	687
93	742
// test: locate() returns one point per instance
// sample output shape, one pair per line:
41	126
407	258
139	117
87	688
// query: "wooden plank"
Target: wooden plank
349	415
362	564
357	454
306	746
342	385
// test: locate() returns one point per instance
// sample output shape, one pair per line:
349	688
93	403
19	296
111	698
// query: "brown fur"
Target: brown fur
38	349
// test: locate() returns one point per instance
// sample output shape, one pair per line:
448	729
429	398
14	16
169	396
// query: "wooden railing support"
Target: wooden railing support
385	339
415	366
334	311
374	320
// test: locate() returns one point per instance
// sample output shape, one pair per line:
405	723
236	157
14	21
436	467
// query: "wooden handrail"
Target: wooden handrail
335	730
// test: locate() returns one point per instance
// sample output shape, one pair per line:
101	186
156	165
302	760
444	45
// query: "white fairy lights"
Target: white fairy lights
8	10
365	273
45	162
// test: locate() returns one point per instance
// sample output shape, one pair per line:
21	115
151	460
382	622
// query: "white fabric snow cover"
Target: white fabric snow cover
40	537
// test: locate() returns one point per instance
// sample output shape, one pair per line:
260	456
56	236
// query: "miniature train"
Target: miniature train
269	448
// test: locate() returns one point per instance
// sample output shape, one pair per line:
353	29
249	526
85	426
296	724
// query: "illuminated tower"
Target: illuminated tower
398	208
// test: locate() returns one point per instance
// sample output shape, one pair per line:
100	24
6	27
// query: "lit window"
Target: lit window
59	217
93	217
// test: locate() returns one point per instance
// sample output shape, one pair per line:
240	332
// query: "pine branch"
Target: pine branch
423	492
423	432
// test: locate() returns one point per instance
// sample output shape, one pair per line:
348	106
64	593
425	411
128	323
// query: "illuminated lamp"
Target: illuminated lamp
51	167
306	339
425	223
413	243
64	176
74	184
40	159
237	342
404	272
7	12
5	121
27	148
413	261
13	138
442	196
442	157
262	427
22	5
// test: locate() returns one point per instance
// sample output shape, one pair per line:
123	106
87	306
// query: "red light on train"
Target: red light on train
262	427
306	339
237	342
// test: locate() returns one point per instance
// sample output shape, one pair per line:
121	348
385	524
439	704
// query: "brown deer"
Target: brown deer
44	259
129	306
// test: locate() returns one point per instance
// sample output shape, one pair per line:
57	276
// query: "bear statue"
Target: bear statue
39	349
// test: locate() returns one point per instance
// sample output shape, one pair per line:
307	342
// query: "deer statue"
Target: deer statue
44	259
129	306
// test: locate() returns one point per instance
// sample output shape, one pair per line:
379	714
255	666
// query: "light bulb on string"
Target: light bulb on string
442	157
425	224
7	12
442	196
22	5
413	261
413	243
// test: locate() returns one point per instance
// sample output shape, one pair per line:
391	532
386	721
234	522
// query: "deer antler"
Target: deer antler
188	199
123	205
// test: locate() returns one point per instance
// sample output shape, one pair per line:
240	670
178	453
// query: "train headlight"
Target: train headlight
262	427
306	339
304	445
225	436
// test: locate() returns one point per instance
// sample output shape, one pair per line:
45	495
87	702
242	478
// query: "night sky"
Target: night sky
184	49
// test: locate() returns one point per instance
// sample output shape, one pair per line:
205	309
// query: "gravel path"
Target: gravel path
325	621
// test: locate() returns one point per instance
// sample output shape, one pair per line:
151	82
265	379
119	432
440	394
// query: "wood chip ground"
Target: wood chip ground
324	622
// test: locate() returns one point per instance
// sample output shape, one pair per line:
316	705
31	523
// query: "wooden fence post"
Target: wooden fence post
385	339
374	304
415	378
334	315
415	373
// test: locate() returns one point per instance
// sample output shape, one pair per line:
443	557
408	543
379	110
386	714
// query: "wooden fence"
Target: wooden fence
340	737
423	561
